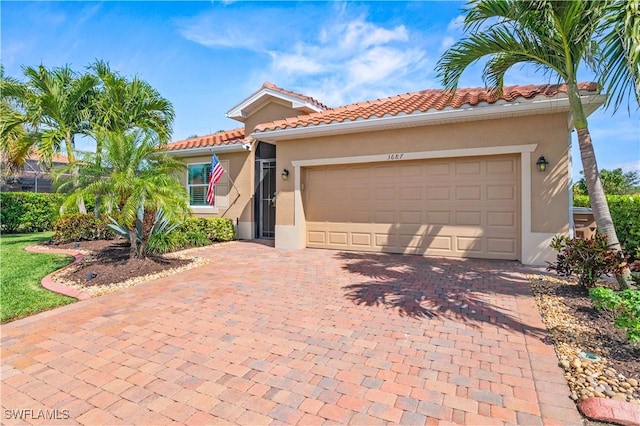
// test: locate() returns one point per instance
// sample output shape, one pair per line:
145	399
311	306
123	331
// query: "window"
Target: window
198	181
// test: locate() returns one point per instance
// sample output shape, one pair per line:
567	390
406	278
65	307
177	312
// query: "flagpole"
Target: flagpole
228	176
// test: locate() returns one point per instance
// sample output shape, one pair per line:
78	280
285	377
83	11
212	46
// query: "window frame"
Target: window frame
205	207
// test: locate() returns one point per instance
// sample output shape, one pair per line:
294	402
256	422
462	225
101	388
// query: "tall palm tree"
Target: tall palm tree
16	137
557	37
138	181
123	104
56	102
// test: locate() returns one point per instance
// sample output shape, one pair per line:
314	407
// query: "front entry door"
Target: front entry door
267	201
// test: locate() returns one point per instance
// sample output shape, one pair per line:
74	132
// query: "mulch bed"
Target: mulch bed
606	340
110	263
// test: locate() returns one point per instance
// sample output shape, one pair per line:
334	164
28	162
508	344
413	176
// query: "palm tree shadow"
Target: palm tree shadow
465	290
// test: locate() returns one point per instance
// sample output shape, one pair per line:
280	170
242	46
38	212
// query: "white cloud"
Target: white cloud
294	63
447	42
209	35
351	60
230	28
339	58
456	24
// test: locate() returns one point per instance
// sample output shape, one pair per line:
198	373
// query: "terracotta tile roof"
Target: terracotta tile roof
225	137
422	101
268	85
55	158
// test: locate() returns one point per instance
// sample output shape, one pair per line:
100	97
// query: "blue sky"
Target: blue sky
205	57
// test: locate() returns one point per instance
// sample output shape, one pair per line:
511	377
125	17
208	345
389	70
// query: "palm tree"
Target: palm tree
138	181
56	102
16	137
122	105
557	37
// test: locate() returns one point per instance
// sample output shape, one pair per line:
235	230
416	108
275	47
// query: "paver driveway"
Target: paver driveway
265	336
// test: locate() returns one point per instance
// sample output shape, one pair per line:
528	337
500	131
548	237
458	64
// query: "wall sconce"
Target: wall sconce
542	164
285	174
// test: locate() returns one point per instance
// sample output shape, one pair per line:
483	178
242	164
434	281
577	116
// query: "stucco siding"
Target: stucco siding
238	207
269	112
549	199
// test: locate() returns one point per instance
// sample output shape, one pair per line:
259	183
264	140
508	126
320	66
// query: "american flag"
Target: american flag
214	177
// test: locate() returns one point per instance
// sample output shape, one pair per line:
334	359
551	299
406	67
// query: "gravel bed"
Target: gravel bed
578	340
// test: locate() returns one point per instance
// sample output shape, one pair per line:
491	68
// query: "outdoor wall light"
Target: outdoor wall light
542	164
285	174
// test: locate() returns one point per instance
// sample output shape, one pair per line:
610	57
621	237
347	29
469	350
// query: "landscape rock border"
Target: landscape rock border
57	283
610	410
49	283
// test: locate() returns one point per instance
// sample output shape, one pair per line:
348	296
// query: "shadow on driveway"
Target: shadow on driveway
464	290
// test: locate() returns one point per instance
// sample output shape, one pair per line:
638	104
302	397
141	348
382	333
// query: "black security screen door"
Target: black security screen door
267	202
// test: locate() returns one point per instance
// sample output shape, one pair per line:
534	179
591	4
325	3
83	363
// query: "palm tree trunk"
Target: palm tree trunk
97	206
75	171
133	240
597	197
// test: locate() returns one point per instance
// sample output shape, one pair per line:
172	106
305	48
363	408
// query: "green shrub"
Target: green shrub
625	304
588	259
28	211
197	238
625	212
215	228
160	242
79	227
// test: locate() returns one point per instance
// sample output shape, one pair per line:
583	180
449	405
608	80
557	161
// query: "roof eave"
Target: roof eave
238	112
207	150
533	106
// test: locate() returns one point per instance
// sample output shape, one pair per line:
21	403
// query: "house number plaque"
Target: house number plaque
395	156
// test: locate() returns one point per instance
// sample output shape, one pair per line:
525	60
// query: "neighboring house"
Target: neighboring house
34	177
420	173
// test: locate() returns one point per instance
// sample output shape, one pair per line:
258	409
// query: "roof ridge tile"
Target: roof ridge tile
423	100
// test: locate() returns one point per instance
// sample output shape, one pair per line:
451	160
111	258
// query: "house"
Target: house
422	173
34	176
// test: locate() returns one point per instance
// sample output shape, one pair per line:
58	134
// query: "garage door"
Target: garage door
467	207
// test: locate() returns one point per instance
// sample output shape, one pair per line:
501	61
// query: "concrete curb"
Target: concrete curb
48	281
611	410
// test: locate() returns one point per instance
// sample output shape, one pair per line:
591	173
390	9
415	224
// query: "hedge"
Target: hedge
215	228
625	212
28	211
81	227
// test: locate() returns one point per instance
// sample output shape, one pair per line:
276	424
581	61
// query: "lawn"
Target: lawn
20	274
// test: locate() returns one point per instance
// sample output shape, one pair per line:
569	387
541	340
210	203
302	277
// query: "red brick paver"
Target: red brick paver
309	336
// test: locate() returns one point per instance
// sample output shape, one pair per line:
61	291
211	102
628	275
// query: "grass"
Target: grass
20	274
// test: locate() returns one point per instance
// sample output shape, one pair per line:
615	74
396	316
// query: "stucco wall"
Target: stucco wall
549	199
269	112
240	197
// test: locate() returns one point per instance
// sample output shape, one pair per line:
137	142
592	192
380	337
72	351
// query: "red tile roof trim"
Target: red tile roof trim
420	102
225	137
268	85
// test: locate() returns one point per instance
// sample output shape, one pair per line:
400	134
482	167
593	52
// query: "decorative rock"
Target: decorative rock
633	382
576	363
609	393
620	397
598	394
574	396
625	385
566	365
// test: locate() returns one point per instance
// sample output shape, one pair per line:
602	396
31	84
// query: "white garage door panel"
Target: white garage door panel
464	207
